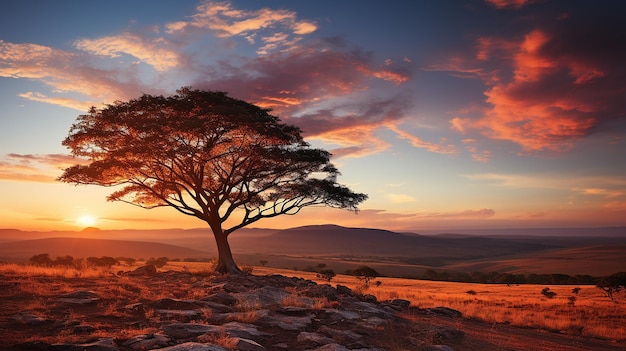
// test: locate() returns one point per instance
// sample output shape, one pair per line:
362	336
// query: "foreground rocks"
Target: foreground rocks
246	313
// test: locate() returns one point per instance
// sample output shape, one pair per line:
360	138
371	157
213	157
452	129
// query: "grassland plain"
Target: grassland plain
590	314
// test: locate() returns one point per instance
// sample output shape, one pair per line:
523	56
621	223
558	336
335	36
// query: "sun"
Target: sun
86	220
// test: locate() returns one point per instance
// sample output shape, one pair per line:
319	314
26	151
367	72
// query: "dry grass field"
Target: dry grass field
587	313
590	314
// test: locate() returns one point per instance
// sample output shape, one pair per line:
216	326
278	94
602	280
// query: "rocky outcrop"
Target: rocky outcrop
251	313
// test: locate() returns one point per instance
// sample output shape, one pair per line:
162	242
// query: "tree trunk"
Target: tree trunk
225	262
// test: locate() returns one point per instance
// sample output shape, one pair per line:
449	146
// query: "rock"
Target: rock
242	344
83	329
400	303
188	330
217	307
80	297
30	318
446	334
222	298
287	322
242	330
437	348
193	346
331	347
264	297
147	270
134	306
344	337
313	339
445	311
175	304
180	315
105	344
148	342
343	290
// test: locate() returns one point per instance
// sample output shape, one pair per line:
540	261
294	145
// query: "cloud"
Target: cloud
441	148
34	168
50	66
554	85
157	52
399	198
466	214
517	4
226	21
334	91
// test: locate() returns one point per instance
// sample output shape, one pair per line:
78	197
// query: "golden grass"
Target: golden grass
591	315
56	271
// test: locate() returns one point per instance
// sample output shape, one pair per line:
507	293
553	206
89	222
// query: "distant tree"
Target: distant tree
207	155
547	293
64	261
41	260
263	262
326	274
576	290
613	284
104	261
365	273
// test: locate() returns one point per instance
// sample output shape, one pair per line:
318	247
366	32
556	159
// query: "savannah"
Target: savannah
494	316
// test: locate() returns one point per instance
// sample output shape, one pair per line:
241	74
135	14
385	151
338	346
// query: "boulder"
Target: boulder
188	330
193	346
81	297
148	341
147	270
30	318
242	344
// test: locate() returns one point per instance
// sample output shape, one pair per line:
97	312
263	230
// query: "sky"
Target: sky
457	114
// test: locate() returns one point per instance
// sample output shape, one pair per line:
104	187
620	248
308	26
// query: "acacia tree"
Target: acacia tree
207	155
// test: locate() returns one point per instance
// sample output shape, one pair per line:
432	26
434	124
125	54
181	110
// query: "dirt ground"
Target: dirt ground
110	318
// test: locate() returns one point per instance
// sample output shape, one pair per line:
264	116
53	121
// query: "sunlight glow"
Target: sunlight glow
86	220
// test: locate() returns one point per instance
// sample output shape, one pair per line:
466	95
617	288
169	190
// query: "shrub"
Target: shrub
326	274
613	284
547	293
41	260
365	273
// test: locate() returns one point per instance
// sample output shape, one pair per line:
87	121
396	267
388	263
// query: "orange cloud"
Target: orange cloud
417	142
49	66
34	168
554	91
226	21
156	52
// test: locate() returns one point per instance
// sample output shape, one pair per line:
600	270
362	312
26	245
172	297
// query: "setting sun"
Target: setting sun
86	220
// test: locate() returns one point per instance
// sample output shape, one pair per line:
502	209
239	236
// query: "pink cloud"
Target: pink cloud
553	86
500	4
156	52
34	168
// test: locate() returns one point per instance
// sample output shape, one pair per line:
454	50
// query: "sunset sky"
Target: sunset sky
449	114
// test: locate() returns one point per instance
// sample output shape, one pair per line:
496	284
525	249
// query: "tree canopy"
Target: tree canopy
207	155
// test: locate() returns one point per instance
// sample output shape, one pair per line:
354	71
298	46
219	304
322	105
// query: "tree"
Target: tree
225	161
264	262
326	274
611	285
365	273
41	260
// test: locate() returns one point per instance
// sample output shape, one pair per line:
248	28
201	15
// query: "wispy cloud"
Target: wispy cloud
225	21
34	168
156	52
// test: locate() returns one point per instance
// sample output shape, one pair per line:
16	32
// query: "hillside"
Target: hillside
342	248
81	247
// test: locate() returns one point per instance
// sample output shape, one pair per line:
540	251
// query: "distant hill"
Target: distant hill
81	247
401	253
